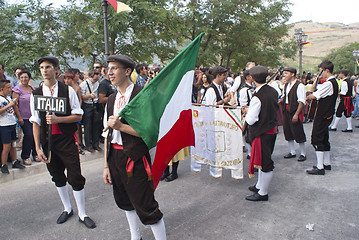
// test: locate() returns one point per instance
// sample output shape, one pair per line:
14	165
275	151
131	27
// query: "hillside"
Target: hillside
323	37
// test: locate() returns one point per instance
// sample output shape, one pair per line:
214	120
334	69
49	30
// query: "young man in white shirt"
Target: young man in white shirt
63	150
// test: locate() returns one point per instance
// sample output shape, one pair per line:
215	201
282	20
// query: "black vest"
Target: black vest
66	128
350	88
268	97
224	90
292	98
134	147
326	106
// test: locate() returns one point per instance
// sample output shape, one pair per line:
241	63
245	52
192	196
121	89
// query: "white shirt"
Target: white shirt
343	88
7	118
300	92
74	102
254	109
324	90
85	90
120	102
211	98
274	85
236	84
243	97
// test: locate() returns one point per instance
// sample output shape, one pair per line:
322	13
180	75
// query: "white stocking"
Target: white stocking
320	159
65	199
266	180
159	230
80	202
134	223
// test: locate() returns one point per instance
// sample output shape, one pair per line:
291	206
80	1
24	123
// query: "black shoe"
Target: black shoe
244	149
171	177
165	175
357	126
248	157
347	130
290	155
333	129
253	189
88	222
302	158
316	171
4	169
17	164
64	216
256	197
327	167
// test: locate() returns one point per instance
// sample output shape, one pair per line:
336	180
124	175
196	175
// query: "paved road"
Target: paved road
198	207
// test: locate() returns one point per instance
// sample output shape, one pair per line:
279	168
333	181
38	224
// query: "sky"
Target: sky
343	11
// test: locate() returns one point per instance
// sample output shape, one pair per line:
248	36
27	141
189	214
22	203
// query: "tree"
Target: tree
237	31
342	58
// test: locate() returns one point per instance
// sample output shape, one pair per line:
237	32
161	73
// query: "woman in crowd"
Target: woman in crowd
207	80
22	93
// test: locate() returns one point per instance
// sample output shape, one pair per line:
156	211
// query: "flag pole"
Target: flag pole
105	20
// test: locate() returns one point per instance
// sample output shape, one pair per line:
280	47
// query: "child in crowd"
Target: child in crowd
8	110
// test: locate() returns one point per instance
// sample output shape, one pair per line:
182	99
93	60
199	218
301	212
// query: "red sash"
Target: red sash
348	105
256	153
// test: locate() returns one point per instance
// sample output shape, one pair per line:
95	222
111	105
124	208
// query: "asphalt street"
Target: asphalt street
197	206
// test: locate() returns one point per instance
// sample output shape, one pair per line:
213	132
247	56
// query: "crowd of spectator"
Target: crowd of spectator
92	87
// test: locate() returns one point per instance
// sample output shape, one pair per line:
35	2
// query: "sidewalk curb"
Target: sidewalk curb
40	167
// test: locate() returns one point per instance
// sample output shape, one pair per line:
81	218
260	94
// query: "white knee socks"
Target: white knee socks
266	180
291	146
65	199
326	158
302	148
335	124
80	202
159	230
134	223
349	122
259	183
320	159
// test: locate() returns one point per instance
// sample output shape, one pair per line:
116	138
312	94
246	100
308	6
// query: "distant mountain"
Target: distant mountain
323	38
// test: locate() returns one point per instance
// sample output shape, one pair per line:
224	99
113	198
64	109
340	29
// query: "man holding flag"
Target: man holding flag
127	160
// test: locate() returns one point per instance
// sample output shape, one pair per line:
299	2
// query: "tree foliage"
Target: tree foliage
342	58
237	31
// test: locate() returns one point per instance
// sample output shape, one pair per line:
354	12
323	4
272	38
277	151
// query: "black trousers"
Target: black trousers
341	109
267	144
136	192
92	123
64	155
293	131
320	133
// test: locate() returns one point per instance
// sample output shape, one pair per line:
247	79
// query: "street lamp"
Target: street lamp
356	56
301	38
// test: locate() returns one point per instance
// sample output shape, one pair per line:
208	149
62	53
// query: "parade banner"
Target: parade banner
218	138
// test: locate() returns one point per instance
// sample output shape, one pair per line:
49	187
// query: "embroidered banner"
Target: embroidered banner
218	134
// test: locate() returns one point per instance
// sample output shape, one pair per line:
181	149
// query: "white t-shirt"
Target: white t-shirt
8	117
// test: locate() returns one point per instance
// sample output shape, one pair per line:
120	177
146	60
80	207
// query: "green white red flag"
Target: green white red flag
162	112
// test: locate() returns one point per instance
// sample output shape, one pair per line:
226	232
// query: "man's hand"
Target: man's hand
310	98
244	111
41	155
114	122
52	119
106	176
295	118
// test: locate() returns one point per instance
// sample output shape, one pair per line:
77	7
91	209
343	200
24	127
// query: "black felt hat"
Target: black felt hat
126	61
50	59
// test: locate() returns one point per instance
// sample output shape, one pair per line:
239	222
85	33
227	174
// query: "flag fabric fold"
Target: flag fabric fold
119	6
162	112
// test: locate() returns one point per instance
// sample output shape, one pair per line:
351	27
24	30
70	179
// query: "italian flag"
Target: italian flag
162	112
